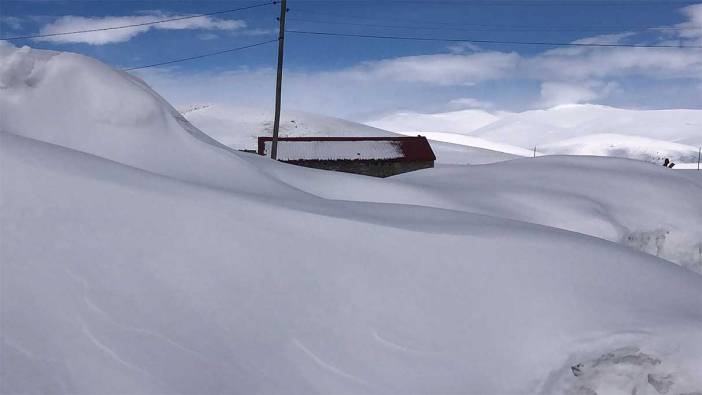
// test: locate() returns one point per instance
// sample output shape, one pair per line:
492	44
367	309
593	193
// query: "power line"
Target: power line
201	56
523	3
499	28
554	44
511	26
137	24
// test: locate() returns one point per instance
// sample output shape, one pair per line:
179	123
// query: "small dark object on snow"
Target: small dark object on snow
577	370
668	163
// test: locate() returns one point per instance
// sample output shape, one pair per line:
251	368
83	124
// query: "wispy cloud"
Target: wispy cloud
692	28
12	22
485	79
469	102
588	63
555	93
207	36
74	23
438	69
259	32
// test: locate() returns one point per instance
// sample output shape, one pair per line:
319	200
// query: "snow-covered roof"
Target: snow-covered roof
349	148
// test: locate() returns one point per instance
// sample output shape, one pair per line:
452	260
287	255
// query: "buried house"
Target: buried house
370	156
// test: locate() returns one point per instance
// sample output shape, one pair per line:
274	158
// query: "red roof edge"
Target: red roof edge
414	148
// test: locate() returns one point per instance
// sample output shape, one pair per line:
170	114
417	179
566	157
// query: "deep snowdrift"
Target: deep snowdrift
127	275
643	206
117	280
78	102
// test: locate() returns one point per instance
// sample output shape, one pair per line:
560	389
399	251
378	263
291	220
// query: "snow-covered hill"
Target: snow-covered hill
640	148
582	129
549	126
238	127
140	256
458	122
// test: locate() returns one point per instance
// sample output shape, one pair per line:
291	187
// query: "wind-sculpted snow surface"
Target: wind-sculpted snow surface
640	205
647	207
117	280
118	277
80	103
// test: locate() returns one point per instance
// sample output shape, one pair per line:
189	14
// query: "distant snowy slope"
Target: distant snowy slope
239	127
470	141
634	147
458	122
582	129
549	126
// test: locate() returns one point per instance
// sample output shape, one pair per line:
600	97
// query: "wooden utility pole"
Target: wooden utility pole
279	80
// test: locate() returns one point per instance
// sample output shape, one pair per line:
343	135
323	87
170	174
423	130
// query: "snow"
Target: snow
125	270
539	127
336	150
633	147
112	115
239	127
643	206
576	129
454	121
476	142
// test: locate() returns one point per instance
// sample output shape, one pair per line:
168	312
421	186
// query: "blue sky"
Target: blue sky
358	77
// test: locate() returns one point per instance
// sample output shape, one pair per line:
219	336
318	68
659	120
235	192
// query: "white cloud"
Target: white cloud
617	38
73	23
469	102
439	69
13	22
259	32
692	28
207	36
463	48
556	93
453	80
587	63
